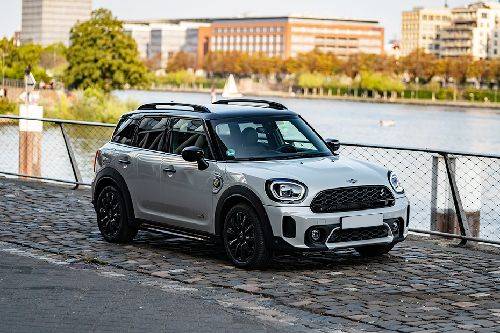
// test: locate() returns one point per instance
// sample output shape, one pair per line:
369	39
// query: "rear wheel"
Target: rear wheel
112	218
374	250
244	238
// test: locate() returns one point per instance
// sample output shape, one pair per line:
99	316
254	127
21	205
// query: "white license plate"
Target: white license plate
361	221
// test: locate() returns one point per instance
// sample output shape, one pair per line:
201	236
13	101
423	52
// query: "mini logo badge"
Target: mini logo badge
352	181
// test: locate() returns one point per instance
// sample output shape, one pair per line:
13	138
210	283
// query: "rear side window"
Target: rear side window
152	133
186	133
125	131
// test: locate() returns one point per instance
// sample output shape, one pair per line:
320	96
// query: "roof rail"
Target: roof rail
154	106
270	104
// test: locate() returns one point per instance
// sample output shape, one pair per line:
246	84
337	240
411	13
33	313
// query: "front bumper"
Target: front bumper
393	230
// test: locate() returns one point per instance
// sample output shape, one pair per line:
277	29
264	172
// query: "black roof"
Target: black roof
220	110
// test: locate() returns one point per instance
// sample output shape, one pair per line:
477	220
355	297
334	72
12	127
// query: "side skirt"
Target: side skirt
165	229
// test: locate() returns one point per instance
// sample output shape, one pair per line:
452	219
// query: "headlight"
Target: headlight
285	190
396	185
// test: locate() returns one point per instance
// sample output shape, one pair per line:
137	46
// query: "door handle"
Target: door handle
122	161
169	168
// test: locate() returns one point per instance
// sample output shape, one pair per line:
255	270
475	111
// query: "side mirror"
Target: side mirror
333	144
195	154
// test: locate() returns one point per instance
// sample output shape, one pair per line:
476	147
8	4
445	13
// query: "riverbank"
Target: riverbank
407	101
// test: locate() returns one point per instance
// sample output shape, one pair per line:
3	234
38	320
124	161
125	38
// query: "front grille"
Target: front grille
345	199
358	234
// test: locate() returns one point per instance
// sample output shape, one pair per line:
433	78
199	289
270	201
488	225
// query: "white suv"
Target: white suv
248	173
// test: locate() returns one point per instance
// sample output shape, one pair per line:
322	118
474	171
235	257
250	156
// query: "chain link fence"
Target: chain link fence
445	188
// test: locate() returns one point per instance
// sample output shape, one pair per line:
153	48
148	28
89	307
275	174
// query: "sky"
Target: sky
388	12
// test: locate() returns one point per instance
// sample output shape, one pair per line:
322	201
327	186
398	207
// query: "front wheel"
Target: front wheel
244	238
112	218
374	250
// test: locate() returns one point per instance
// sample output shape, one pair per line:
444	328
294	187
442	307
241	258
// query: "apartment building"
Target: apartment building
287	36
420	29
494	47
50	21
472	31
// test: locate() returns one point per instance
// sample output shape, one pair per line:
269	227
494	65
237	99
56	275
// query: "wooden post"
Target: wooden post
30	141
443	214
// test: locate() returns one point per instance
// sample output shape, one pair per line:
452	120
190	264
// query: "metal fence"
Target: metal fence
454	194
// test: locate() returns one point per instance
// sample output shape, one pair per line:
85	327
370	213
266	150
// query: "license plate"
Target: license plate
361	221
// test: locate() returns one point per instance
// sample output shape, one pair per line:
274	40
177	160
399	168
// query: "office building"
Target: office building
141	33
287	36
50	21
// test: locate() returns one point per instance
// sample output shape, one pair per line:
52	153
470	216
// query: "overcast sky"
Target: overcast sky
388	12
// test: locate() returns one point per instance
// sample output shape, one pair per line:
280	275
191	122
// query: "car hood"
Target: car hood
316	173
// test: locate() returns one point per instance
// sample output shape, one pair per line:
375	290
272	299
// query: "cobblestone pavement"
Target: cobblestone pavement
420	286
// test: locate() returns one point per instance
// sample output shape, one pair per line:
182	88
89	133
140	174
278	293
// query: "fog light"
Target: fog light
315	235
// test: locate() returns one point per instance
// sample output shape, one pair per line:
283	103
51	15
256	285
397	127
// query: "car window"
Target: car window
291	135
188	132
125	131
152	133
268	138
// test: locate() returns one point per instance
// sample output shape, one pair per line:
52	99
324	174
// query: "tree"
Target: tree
101	55
181	61
18	58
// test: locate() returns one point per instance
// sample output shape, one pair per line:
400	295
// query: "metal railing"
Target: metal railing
453	194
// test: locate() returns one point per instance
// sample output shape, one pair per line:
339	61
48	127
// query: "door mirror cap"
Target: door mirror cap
333	144
195	154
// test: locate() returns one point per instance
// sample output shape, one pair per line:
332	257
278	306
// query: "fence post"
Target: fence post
71	155
30	140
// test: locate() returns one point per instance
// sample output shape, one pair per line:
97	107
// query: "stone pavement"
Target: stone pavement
420	286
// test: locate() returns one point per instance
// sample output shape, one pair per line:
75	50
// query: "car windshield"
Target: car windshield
268	138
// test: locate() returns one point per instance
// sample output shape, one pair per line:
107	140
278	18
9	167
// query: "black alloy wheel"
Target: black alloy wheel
244	238
112	217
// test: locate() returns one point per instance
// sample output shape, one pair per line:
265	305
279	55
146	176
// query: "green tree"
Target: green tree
101	55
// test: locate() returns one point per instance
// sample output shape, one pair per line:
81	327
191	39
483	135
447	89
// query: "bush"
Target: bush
90	105
7	107
380	82
310	80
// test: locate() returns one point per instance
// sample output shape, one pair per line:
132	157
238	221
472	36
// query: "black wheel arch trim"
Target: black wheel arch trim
110	175
241	193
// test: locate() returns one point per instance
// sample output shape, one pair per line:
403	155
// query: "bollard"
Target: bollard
30	140
469	187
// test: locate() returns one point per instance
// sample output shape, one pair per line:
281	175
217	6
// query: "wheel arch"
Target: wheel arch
109	176
240	194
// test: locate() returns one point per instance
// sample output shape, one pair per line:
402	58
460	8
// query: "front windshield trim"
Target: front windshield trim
298	155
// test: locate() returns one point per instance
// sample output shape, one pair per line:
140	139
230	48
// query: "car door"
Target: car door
122	154
151	141
188	191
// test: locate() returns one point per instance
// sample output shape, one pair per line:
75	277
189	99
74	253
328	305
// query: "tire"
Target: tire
374	250
244	238
112	218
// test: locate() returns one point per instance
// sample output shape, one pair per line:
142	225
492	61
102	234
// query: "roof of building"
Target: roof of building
243	18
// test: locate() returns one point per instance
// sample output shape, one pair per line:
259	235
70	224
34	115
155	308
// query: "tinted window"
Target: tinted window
125	131
268	138
152	133
186	133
